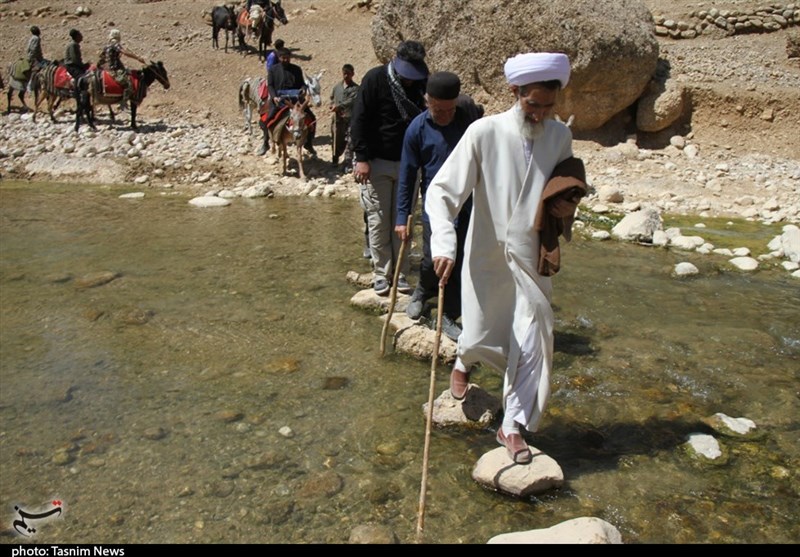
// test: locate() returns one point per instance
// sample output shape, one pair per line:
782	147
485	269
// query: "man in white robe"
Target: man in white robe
504	161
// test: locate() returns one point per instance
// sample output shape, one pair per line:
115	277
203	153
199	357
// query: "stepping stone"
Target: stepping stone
476	411
496	471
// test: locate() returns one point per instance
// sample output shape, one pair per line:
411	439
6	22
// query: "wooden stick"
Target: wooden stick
393	296
429	421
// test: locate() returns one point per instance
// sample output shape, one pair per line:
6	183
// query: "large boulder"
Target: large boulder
612	47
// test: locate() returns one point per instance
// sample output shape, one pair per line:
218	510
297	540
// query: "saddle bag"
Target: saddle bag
22	70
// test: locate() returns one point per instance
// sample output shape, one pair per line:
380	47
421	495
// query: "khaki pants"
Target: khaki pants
379	201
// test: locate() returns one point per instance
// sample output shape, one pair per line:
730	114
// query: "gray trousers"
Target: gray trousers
379	201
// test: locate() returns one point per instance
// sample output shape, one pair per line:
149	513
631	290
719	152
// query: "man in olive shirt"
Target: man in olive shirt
73	60
343	97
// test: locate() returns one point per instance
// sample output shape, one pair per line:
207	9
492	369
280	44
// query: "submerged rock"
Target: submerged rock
372	534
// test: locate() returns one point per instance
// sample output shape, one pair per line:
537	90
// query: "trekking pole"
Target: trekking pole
429	420
393	296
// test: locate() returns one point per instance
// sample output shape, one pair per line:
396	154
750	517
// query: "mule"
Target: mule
18	81
250	97
223	17
102	89
292	131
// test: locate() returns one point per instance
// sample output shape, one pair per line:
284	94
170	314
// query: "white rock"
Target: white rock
687	242
685	269
744	263
143	179
638	226
738	425
610	194
678	141
796	274
583	530
286	431
209	201
601	235
691	151
790	265
227	194
258	190
132	195
790	242
705	445
741	252
660	238
203	178
600	209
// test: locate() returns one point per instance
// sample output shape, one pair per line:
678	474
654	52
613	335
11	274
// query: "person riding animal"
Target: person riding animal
111	60
285	81
73	59
33	53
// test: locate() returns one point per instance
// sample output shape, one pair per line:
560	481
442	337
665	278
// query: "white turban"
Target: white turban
535	67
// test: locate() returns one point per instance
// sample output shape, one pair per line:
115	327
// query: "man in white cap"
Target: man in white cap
504	162
111	60
390	97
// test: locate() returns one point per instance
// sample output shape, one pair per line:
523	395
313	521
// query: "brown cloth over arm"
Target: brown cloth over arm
567	183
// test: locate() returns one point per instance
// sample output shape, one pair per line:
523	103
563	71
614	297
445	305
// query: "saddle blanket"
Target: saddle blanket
62	79
112	88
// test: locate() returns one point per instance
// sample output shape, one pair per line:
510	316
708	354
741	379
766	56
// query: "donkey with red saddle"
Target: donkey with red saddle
100	87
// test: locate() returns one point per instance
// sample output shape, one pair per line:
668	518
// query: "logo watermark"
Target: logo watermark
26	524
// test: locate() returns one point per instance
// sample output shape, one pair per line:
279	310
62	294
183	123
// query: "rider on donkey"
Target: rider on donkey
33	53
73	60
111	59
285	81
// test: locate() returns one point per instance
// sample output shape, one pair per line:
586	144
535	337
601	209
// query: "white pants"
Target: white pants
522	398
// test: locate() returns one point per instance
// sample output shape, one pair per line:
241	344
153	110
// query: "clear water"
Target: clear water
151	405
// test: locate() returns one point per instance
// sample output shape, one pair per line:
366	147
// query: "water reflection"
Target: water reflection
221	388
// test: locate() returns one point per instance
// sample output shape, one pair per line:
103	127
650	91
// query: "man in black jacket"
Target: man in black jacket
390	96
285	81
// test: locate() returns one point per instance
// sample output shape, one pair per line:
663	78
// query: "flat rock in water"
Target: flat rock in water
96	279
726	425
495	470
209	201
362	280
583	530
476	411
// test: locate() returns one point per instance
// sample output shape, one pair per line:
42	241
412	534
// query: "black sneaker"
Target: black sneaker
402	285
450	328
381	286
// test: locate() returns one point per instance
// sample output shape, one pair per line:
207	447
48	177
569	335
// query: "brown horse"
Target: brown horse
101	91
292	130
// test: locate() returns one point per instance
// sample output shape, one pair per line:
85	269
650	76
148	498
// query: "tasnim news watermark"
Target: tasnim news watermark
56	551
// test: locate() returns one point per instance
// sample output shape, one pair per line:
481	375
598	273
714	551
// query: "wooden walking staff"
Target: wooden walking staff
393	296
429	420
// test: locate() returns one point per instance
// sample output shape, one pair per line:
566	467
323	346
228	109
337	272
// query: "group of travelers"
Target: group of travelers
496	191
110	59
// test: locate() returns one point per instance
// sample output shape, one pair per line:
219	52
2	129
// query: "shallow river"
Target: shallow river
152	405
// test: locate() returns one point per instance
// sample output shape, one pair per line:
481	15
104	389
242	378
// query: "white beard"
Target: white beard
528	129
